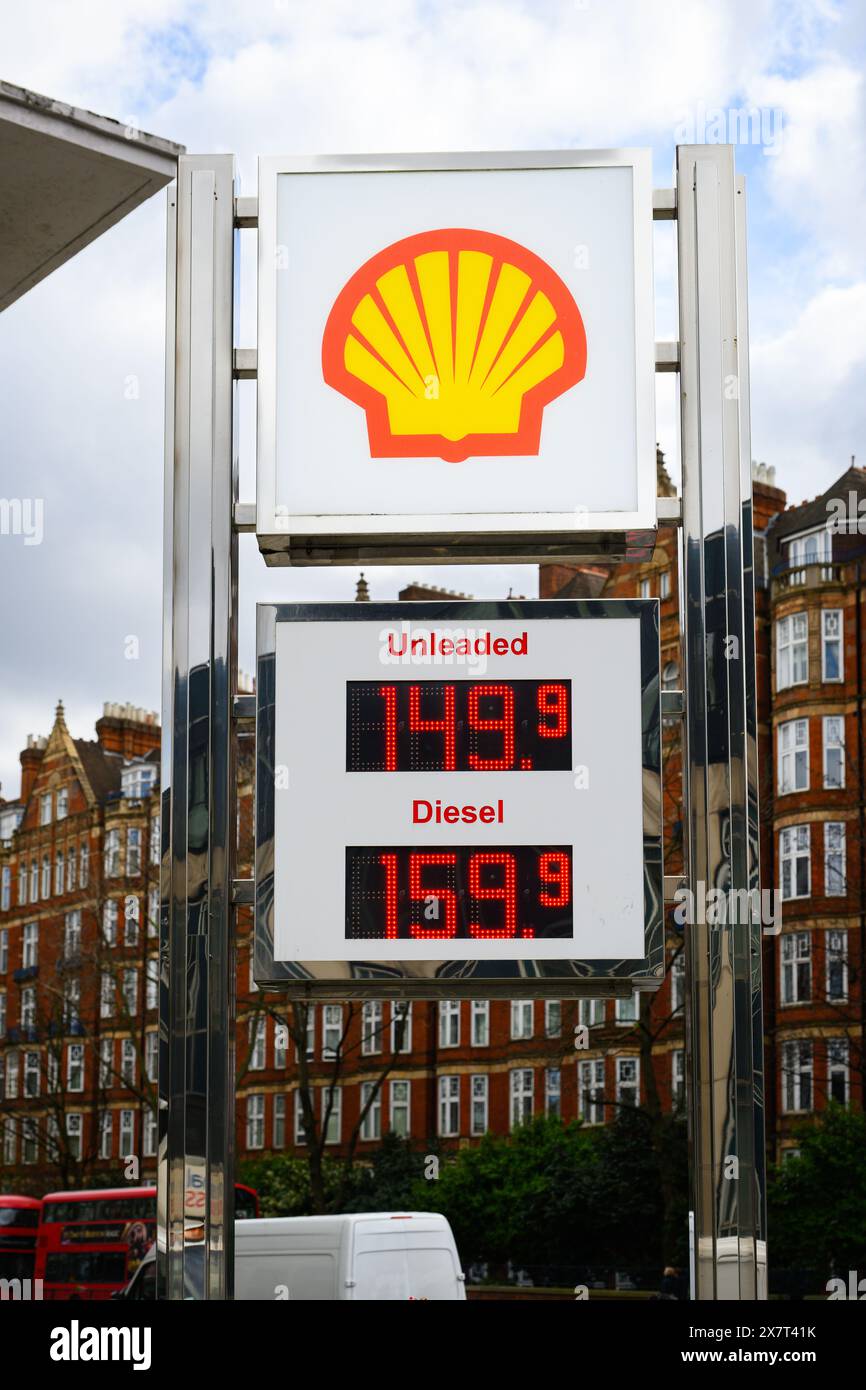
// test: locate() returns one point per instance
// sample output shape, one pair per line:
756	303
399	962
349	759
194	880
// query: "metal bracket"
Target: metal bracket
667	356
244	709
673	883
669	511
246	212
664	205
244	517
243	892
245	364
673	704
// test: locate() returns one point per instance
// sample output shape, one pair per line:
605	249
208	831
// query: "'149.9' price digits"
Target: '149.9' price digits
458	726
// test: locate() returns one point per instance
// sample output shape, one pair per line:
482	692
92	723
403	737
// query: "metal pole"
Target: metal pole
196	1072
724	1025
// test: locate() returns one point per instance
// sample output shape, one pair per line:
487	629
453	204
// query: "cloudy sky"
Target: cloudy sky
312	76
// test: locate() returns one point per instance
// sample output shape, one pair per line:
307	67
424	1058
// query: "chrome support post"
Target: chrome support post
724	1023
197	986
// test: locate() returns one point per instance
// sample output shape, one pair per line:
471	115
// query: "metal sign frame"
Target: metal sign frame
202	710
453	538
449	979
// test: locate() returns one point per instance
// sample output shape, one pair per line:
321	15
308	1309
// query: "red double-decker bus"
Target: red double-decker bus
19	1220
90	1244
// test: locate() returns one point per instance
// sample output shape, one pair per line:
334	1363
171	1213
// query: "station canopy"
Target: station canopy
66	175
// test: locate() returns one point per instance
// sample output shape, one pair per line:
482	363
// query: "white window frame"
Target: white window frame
32	1074
449	1023
371	1027
30	945
406	1010
553	1091
627	1009
795	951
449	1107
796	1066
59	874
787	646
791	851
521	1096
833	741
255	1135
151	1054
841	1065
27	1007
74	1135
109	921
126	1144
332	1031
792	754
106	994
400	1107
665	584
111	855
130	988
4	950
257	1030
131	919
591	1088
151	983
479	1104
106	1134
84	865
13	1070
62	807
625	1084
75	1067
828	640
645	588
278	1122
45	808
835	829
149	1133
133	851
106	1063
72	934
128	1062
333	1130
836	953
71	869
592	1012
522	1019
371	1125
479	1014
553	1018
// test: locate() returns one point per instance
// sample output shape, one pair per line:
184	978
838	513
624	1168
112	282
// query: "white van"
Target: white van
368	1255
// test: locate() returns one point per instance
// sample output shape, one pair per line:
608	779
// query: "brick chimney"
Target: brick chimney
128	730
31	760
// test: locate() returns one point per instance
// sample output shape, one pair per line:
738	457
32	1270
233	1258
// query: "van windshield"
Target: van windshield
405	1274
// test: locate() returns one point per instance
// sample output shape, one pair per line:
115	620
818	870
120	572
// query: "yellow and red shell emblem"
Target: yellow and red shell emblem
453	342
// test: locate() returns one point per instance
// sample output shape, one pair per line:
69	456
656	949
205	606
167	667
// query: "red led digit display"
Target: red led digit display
458	726
517	892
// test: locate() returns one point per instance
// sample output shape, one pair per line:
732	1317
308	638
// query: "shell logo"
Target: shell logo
453	342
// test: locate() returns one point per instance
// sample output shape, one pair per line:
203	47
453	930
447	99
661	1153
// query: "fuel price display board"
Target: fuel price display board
457	793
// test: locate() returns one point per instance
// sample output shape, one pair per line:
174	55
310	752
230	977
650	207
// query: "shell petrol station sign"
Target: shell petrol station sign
463	368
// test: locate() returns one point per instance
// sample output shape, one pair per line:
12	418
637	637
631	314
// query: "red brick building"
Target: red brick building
79	856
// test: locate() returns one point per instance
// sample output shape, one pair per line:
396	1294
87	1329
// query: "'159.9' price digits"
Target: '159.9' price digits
478	893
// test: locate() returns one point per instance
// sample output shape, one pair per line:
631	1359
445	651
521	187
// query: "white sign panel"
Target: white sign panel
454	348
461	786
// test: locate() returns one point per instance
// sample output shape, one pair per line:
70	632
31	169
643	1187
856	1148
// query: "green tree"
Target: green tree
817	1202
